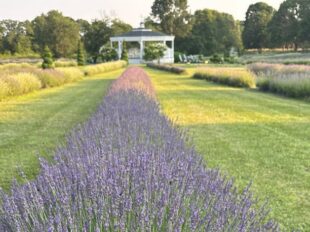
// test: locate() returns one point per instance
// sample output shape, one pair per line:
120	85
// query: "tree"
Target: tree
124	55
84	26
285	25
48	61
172	17
96	36
255	34
118	27
80	55
16	37
212	32
59	33
154	51
108	54
305	21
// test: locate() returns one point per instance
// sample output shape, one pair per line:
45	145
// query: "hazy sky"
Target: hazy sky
130	11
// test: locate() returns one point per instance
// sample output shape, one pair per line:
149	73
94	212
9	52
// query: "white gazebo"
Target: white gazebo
141	36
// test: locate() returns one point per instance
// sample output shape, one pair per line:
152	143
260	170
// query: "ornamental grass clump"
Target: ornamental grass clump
62	63
71	74
20	83
288	80
235	77
104	67
129	169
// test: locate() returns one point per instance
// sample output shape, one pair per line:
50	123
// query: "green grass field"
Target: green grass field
33	124
249	135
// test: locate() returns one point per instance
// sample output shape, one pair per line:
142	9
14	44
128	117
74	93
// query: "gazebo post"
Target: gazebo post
172	46
141	50
119	50
142	36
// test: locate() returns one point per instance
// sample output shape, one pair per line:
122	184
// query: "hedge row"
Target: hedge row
18	79
105	67
288	80
227	76
168	68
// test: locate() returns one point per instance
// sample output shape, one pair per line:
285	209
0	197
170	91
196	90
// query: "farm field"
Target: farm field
280	57
250	135
33	124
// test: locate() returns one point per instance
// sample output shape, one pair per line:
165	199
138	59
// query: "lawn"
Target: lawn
34	124
248	135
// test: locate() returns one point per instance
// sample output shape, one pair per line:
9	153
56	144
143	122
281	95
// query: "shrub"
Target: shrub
129	169
80	55
168	68
4	89
105	67
217	59
13	66
47	57
228	76
124	55
230	60
51	78
17	80
21	83
65	63
177	57
71	74
107	54
154	51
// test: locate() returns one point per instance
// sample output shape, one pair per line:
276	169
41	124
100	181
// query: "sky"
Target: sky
130	11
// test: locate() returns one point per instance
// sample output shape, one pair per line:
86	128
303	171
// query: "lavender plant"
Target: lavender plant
289	80
128	168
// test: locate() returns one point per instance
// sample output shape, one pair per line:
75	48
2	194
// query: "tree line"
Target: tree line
208	31
59	33
204	32
287	27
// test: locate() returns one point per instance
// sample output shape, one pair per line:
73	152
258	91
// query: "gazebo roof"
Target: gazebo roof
142	34
139	32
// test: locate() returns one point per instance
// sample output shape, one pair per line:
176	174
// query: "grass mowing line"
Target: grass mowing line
251	135
32	124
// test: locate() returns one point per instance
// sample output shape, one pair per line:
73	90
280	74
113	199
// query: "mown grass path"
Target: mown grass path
34	124
249	135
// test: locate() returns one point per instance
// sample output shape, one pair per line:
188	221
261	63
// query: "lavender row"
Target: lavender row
129	169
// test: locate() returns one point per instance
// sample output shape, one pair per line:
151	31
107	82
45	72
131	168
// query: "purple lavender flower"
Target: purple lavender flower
128	168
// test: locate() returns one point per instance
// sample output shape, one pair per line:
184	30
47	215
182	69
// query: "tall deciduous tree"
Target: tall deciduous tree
119	27
96	36
212	32
256	34
59	33
16	37
305	22
285	25
172	16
